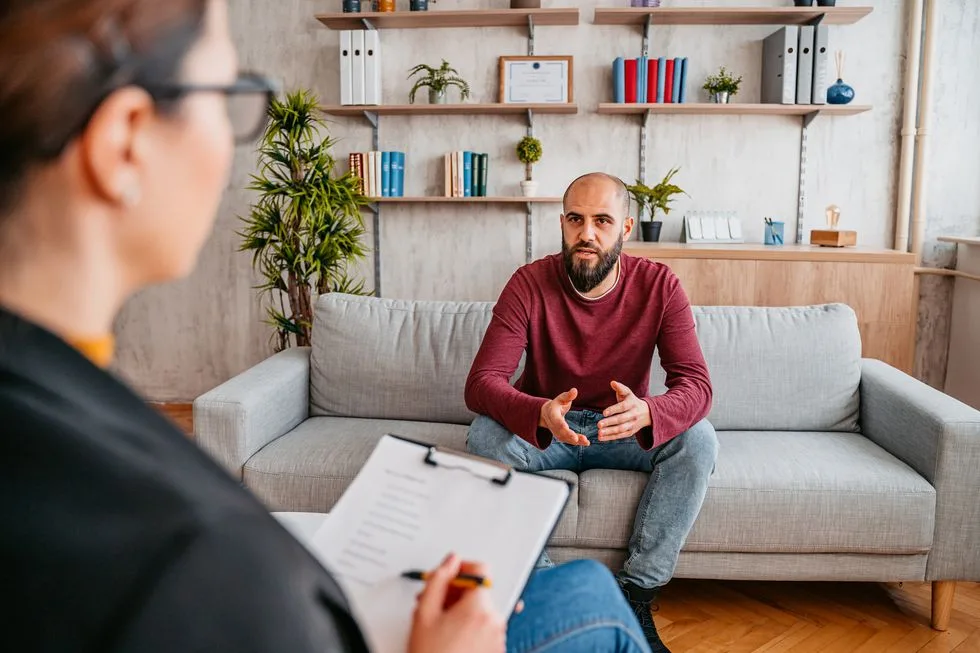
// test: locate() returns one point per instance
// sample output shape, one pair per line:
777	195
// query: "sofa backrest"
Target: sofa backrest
789	369
394	359
771	368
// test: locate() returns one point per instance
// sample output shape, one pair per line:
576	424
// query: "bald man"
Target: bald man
589	320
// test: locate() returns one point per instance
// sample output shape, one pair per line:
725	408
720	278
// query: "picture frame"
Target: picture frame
536	79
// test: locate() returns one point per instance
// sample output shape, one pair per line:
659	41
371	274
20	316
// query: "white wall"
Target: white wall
177	341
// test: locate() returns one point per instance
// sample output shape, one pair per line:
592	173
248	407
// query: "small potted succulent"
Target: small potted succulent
529	152
650	200
722	86
437	80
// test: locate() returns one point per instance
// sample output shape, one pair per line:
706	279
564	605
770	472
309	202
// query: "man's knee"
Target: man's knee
700	443
489	439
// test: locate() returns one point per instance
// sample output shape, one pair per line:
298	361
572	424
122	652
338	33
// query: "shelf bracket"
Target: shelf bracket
816	20
646	36
801	197
644	131
528	232
530	35
372	118
367	24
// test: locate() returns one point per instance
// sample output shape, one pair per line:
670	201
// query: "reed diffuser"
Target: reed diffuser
839	92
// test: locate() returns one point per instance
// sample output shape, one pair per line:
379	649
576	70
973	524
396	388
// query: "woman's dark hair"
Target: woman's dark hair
59	59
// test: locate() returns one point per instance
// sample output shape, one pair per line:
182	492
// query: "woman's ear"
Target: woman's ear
113	146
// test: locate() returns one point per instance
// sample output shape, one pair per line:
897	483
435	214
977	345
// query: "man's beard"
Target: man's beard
585	274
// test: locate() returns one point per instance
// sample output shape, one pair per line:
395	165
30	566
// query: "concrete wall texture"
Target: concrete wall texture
180	340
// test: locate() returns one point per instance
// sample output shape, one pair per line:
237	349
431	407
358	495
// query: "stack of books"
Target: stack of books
650	80
382	174
466	174
644	3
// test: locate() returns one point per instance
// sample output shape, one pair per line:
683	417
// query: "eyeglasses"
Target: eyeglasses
248	99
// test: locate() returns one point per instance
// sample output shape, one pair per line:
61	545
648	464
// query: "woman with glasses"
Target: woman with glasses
117	125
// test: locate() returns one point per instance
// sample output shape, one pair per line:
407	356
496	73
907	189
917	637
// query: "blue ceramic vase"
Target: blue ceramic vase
840	93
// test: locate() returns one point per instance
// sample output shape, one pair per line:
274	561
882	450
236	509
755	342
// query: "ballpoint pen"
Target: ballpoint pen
461	580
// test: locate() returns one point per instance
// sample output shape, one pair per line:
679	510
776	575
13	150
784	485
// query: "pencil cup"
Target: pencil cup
774	233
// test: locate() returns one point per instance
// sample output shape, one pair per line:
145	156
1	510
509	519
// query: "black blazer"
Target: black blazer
119	534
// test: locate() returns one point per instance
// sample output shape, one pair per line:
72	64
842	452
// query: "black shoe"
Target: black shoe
642	601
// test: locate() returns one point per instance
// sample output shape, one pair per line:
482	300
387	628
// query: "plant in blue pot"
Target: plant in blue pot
839	92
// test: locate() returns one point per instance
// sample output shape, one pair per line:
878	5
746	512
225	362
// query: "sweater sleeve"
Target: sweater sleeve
688	397
488	389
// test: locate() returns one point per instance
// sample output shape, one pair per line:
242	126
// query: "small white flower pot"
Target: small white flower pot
529	188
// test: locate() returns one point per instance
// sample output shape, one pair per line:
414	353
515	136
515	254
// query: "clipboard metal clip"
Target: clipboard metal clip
502	478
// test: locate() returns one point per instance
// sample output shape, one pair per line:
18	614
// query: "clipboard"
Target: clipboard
410	505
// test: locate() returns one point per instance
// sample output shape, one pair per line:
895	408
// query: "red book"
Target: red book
669	82
652	66
629	68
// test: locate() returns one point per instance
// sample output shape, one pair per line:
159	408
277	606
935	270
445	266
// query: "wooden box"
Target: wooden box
833	238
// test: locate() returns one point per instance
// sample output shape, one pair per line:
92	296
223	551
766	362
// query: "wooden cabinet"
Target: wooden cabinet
877	284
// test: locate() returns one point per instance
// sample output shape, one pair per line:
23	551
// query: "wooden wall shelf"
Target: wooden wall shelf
491	109
444	19
618	108
437	199
729	15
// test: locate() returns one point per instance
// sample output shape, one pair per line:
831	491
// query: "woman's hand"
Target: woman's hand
453	620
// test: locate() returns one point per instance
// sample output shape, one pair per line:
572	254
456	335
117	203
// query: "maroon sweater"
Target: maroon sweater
572	342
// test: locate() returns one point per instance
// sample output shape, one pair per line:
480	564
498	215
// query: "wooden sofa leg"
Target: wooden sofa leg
942	603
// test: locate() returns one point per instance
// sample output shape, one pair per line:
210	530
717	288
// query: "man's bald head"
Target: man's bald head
621	198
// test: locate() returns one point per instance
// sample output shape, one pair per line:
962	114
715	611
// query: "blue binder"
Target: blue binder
386	174
467	174
661	75
678	73
683	95
619	80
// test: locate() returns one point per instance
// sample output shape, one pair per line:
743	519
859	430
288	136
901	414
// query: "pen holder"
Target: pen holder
774	233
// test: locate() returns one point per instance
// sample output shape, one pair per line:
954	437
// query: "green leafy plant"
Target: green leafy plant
529	152
306	228
657	198
438	79
722	82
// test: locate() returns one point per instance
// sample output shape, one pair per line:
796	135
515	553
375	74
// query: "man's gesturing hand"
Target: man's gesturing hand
625	418
553	419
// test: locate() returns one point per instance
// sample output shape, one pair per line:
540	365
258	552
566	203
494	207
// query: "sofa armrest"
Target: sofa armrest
244	414
939	437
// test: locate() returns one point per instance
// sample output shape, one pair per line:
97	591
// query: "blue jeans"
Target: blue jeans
575	608
679	472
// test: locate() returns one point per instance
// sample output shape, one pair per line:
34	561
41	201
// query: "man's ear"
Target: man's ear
628	225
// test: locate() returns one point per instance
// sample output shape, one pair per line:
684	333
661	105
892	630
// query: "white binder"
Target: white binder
804	66
821	51
779	66
346	89
372	67
357	67
378	178
409	506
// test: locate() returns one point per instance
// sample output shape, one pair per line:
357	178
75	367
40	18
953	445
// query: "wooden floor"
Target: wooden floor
700	616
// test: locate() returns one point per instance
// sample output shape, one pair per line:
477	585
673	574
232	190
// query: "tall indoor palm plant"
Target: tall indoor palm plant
306	228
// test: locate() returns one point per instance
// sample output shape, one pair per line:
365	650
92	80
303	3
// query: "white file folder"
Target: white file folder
372	67
804	66
346	83
779	66
409	506
357	67
821	53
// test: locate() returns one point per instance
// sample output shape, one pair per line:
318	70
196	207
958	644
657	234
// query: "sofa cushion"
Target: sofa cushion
394	359
787	369
782	492
308	469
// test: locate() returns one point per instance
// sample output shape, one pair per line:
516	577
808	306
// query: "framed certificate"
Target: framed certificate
546	80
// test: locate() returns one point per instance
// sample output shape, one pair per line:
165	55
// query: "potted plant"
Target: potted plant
438	80
722	86
306	228
650	200
529	152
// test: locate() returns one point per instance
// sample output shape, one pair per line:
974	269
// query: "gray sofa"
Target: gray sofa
831	467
